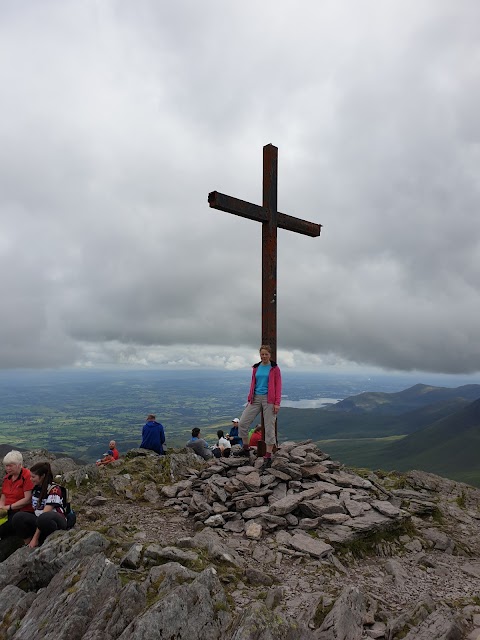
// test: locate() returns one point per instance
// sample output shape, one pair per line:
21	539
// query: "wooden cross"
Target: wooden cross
271	219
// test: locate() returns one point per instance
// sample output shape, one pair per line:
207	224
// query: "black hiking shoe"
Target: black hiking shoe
243	453
267	463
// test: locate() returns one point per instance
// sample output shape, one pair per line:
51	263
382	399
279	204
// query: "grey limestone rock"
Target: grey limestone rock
150	493
251	481
209	540
286	505
312	546
34	569
255	512
321	506
155	553
215	521
345	620
97	501
67	606
248	502
133	557
439	625
253	530
117	612
254	576
198	610
439	539
386	508
14	603
261	623
311	470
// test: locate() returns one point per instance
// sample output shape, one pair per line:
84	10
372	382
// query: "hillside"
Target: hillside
423	427
444	447
172	547
420	395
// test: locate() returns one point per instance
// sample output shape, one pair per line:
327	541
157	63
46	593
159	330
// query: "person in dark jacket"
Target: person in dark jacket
153	435
233	435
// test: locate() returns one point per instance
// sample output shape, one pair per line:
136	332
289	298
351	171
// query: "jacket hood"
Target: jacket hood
272	364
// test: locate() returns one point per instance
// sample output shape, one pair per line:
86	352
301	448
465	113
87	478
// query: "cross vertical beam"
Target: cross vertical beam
269	248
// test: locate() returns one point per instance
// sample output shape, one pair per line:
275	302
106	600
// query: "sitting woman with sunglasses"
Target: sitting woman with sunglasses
49	509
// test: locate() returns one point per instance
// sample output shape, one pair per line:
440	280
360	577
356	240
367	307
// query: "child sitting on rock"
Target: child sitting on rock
223	448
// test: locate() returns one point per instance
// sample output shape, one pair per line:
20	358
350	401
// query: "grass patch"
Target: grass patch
321	612
366	544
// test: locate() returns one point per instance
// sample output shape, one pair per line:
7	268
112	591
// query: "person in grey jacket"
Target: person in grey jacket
199	445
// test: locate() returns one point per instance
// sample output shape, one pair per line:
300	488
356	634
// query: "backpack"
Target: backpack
70	514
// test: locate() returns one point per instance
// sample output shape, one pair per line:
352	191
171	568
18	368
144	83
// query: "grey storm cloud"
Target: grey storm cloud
119	118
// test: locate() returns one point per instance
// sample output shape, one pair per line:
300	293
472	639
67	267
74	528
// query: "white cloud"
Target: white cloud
119	119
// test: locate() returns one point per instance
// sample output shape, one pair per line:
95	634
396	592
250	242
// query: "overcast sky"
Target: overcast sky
119	117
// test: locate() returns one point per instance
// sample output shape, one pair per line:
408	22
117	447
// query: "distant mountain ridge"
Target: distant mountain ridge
420	395
434	429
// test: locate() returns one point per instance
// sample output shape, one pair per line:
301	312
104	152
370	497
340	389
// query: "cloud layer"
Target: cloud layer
119	118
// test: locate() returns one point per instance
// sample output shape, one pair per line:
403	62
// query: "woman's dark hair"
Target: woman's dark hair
195	432
43	469
219	433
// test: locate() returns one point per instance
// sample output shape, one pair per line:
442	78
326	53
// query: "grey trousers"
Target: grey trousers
249	414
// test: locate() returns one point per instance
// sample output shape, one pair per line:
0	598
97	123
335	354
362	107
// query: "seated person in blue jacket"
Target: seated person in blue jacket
233	435
199	445
153	435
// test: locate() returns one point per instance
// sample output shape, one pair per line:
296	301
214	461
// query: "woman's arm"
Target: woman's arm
2	500
27	499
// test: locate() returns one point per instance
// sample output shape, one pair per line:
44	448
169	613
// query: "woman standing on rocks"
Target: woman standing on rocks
47	502
265	393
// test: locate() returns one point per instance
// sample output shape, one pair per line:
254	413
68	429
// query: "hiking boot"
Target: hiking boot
267	463
243	453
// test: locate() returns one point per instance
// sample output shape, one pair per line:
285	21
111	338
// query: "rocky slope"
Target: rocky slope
171	547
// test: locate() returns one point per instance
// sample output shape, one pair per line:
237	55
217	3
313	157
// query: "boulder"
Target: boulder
345	620
198	610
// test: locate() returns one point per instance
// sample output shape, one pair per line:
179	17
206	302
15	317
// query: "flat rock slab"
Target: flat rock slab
246	503
312	546
344	479
235	526
155	553
387	509
252	481
245	470
253	530
255	512
354	508
316	508
308	471
286	505
279	474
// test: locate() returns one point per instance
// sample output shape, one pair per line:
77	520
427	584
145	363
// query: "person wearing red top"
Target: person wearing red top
113	447
256	436
48	508
17	489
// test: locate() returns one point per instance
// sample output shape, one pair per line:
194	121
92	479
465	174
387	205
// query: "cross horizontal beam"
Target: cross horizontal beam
251	211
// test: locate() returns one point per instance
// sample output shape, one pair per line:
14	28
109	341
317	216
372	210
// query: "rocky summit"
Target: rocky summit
175	547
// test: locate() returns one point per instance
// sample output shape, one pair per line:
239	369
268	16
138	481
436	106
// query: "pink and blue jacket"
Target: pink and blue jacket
274	392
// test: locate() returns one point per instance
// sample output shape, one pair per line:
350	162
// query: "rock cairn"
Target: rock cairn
303	491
